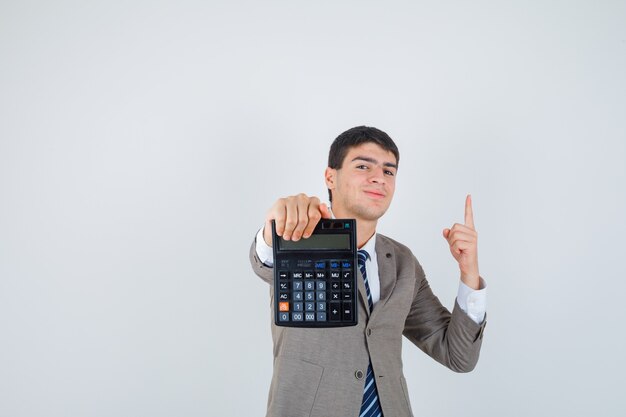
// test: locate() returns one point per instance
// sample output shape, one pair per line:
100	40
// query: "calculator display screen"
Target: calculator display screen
330	241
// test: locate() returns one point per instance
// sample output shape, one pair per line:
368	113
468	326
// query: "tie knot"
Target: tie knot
363	256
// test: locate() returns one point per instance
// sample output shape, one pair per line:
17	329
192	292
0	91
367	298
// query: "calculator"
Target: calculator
315	278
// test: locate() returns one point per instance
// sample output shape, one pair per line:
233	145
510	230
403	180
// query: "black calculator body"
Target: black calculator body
315	279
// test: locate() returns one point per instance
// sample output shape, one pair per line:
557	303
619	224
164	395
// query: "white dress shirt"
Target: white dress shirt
472	302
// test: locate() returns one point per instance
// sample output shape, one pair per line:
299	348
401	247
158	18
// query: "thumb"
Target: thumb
325	211
446	233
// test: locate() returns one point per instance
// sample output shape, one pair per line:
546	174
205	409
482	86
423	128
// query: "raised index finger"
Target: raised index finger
469	214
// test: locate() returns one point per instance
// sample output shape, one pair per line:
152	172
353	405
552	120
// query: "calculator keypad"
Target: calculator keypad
316	293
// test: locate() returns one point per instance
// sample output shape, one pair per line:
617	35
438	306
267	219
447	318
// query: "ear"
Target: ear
330	175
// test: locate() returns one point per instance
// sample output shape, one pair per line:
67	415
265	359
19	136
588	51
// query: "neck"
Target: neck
365	229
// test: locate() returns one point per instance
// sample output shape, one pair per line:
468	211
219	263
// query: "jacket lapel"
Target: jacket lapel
386	271
362	293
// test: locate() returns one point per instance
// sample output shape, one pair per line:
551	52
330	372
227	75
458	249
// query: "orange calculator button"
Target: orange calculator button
283	306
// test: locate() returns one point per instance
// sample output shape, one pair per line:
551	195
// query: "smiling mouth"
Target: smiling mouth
374	194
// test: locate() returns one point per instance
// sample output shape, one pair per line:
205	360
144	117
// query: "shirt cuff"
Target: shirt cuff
473	302
263	250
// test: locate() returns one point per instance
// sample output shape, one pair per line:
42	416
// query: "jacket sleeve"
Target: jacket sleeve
452	339
266	273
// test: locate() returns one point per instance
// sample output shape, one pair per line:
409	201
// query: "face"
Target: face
364	185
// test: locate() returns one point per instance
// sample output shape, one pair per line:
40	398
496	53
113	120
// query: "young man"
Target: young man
357	371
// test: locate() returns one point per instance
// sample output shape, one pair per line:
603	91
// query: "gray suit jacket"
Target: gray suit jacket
315	370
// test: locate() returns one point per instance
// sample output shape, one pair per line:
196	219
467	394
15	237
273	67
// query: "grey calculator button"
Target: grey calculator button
309	306
283	316
297	285
297	316
309	316
321	316
321	306
309	296
320	285
297	306
321	295
297	296
309	285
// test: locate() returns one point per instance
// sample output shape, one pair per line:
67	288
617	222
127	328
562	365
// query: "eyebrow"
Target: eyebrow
375	162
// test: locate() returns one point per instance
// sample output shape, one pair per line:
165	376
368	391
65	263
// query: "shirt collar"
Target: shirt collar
370	246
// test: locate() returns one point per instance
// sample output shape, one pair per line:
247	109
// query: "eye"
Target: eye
390	173
361	167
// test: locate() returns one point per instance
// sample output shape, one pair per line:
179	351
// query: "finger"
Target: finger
446	233
279	215
460	236
325	211
303	216
459	246
462	228
291	220
314	217
469	214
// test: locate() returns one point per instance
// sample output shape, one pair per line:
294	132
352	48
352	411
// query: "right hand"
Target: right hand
296	216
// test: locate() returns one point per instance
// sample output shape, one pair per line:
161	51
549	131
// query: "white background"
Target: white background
141	144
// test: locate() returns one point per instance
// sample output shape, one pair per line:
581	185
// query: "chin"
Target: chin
369	213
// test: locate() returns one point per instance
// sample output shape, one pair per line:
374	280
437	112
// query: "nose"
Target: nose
377	175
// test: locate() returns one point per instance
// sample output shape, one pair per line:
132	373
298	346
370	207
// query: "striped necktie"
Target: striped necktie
370	406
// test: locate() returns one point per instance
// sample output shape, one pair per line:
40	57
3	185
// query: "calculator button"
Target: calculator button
346	285
321	306
347	310
321	316
283	317
335	274
346	264
283	306
309	316
335	286
309	306
297	285
346	274
309	275
283	296
283	274
296	275
334	312
296	316
320	274
284	286
320	265
335	295
309	285
346	295
297	306
320	285
297	296
309	296
334	264
321	295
